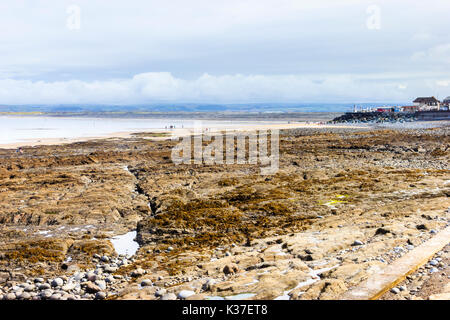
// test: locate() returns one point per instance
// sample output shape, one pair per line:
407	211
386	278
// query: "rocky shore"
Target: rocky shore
344	204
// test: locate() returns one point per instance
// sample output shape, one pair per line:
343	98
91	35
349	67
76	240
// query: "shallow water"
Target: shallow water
23	129
125	244
241	296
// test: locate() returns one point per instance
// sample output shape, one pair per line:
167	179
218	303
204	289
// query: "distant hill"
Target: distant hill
192	107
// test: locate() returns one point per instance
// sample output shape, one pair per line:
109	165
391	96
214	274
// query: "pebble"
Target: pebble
101	284
169	296
138	272
55	296
29	287
58	282
395	290
46	293
183	294
24	296
44	286
100	295
109	269
69	286
92	288
91	276
398	249
160	292
434	262
10	296
433	270
208	284
357	243
146	283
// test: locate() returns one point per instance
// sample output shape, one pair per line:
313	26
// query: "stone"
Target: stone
92	288
58	282
169	296
382	231
184	294
160	292
208	284
105	258
10	296
329	289
29	287
109	269
137	273
101	284
39	280
100	295
357	243
46	293
44	286
146	283
24	296
433	262
55	296
91	276
231	269
69	286
395	290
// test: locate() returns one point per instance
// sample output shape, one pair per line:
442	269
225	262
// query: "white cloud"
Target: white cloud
436	54
164	87
443	83
234	50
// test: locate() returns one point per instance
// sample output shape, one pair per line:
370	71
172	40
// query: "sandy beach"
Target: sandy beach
116	218
177	132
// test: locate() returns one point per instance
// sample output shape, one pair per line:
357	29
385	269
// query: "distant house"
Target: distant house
428	101
446	101
446	104
386	109
410	108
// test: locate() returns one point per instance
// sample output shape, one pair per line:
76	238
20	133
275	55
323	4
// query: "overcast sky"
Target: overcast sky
144	51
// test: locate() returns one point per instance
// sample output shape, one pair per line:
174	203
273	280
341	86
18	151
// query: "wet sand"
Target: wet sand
173	133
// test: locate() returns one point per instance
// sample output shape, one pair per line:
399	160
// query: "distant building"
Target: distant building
427	103
386	109
410	108
446	101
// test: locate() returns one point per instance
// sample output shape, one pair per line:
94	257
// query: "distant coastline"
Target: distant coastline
222	116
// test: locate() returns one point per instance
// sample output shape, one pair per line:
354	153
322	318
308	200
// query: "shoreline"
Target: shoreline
173	133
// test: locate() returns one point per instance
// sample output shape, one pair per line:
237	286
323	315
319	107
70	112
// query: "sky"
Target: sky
222	51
